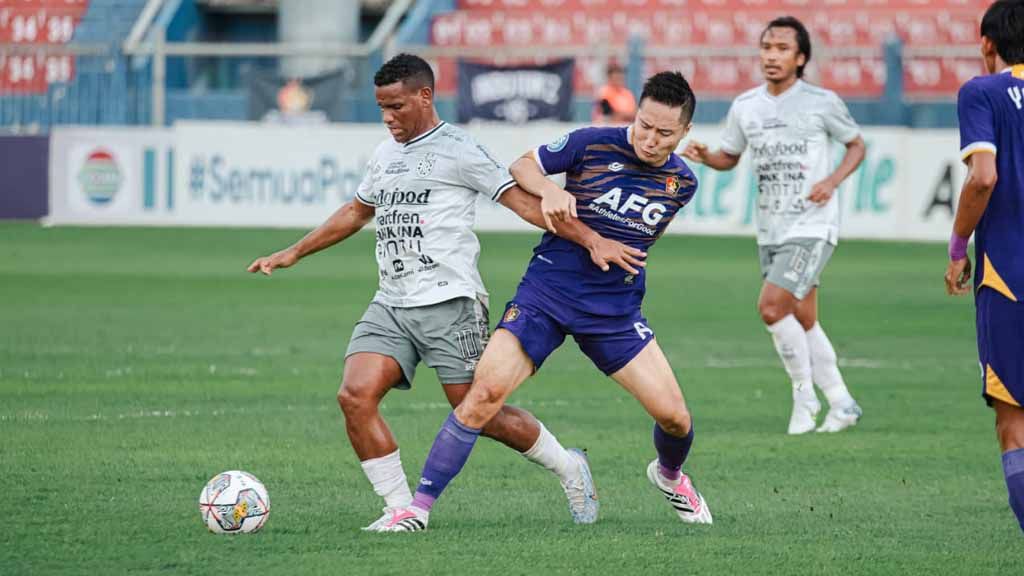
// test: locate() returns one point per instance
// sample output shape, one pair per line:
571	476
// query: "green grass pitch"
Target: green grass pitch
137	363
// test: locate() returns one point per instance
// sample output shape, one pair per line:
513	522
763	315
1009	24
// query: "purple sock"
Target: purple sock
449	453
672	451
1013	469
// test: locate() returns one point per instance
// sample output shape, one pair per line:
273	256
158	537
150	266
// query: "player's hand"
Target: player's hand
822	192
267	264
696	151
605	252
958	277
557	205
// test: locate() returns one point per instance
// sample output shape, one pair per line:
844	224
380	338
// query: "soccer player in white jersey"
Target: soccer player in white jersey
788	126
421	189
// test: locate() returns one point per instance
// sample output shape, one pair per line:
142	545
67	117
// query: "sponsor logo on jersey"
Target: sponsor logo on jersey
616	167
558	145
511	314
650	212
779	149
397	167
427	260
397	265
392	198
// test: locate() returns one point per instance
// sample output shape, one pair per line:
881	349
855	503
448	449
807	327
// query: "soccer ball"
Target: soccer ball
234	502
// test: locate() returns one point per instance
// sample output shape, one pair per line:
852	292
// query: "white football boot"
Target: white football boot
839	419
681	495
803	419
408	519
582	494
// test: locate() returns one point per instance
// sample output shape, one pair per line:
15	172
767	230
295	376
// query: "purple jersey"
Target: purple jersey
991	113
619	197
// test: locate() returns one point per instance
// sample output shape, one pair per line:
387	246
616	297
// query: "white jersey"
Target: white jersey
789	137
425	192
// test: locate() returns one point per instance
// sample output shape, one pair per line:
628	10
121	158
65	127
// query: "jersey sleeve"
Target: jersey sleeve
367	192
734	141
481	172
839	124
977	128
564	154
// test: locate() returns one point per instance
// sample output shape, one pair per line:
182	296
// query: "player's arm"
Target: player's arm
345	221
717	160
822	192
556	204
974	197
978	150
602	250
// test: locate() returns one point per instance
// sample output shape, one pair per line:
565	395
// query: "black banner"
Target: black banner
516	94
318	98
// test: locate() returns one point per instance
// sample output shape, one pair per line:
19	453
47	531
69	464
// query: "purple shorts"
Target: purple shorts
541	321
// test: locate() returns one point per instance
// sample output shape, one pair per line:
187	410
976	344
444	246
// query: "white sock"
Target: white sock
388	479
791	344
825	369
550	454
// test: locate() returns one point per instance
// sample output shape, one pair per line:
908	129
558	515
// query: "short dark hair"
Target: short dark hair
1003	25
409	69
803	38
671	89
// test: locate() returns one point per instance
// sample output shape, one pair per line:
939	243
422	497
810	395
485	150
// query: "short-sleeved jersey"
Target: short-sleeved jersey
991	113
424	192
789	138
620	198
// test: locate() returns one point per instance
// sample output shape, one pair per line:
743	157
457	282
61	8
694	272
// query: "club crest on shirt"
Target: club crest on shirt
511	314
426	165
559	144
672	185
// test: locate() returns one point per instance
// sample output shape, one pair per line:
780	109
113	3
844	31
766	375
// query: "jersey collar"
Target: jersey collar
796	87
426	134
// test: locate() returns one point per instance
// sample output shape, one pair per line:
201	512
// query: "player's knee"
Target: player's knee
678	423
771	311
353	399
1010	432
481	404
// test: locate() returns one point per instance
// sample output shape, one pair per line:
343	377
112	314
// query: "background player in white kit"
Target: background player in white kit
788	124
421	189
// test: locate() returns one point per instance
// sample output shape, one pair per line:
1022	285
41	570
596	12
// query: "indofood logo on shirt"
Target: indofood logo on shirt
779	149
100	177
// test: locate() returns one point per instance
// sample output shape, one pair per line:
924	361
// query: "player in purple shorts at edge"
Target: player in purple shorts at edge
626	184
991	113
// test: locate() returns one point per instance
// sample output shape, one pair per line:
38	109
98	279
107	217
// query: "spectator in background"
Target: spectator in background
614	104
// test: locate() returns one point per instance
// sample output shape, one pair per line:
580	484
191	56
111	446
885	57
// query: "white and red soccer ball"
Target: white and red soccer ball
234	502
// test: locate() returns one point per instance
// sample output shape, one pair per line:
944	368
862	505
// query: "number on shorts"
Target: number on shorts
469	344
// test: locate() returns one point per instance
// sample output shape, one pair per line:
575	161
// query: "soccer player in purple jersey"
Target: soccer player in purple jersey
626	184
991	112
420	188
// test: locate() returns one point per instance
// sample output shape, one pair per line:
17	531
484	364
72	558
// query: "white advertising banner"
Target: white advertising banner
111	176
247	174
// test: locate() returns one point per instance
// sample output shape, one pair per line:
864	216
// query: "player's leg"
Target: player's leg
788	271
378	359
523	432
649	378
843	409
524	339
1000	326
503	366
1010	430
452	335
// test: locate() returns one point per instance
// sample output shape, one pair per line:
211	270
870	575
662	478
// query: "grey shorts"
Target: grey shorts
448	336
795	265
